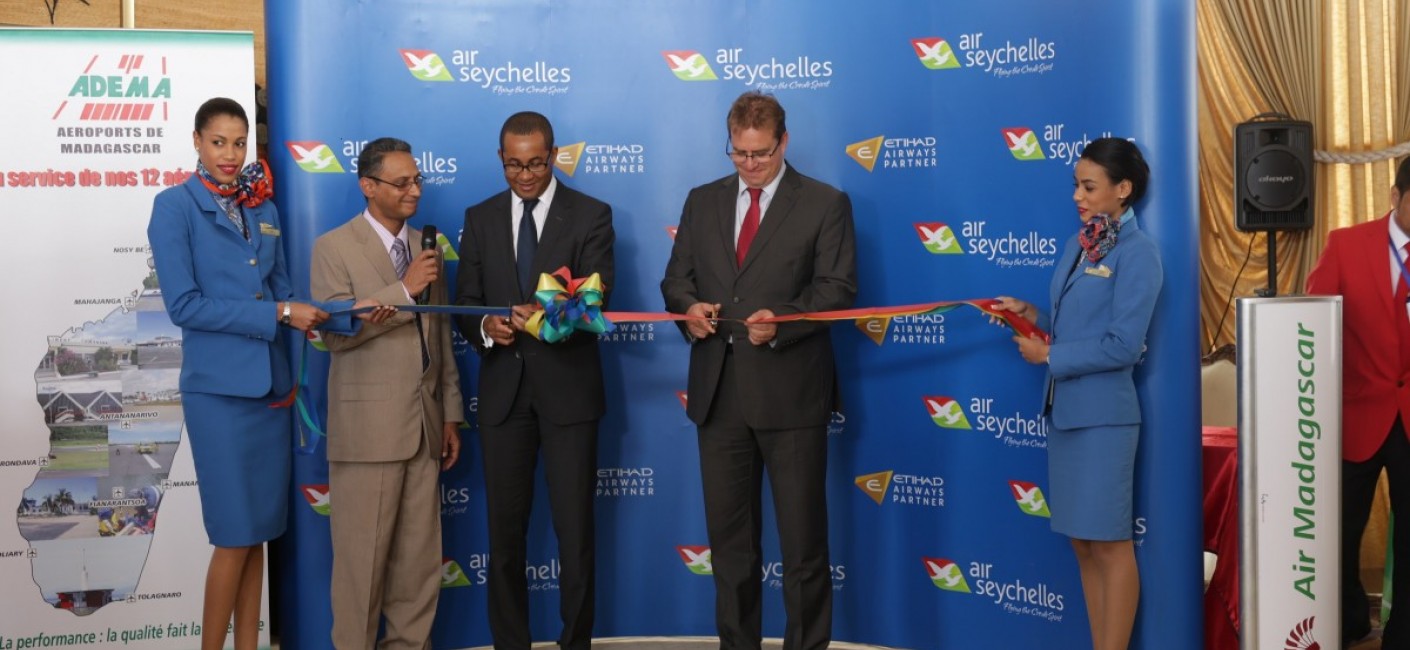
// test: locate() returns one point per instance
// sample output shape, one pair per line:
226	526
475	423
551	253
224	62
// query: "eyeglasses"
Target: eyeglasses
760	156
402	186
516	168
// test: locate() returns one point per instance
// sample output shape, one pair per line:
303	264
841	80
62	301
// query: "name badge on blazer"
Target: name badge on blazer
268	229
1099	270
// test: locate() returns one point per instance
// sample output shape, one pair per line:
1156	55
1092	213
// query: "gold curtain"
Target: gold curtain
1333	63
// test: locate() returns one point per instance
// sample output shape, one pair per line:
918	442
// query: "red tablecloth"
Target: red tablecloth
1221	537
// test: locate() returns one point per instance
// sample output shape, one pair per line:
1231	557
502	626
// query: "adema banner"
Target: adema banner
107	545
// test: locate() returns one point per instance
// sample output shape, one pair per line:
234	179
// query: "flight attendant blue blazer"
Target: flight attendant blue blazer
223	292
1100	315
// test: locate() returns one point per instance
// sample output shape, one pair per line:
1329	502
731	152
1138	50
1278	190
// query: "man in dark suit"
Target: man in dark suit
1364	264
534	396
764	241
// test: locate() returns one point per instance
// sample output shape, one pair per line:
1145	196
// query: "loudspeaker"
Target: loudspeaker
1273	175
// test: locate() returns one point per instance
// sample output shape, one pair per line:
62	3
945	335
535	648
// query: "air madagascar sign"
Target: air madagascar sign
1290	455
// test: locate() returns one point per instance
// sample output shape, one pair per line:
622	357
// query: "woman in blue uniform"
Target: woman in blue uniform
219	261
1102	295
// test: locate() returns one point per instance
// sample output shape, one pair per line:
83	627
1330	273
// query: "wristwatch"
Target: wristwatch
288	313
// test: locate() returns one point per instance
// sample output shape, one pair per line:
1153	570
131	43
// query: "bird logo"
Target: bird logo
1023	143
939	239
945	574
314	157
946	412
689	65
318	499
451	575
935	53
697	559
425	65
1030	498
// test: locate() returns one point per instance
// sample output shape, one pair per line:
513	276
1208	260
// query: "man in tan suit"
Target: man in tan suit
385	442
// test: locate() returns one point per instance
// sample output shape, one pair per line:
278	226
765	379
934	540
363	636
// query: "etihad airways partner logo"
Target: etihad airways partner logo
905	489
924	329
1030	56
1029	498
627	158
798	73
697	559
894	153
425	65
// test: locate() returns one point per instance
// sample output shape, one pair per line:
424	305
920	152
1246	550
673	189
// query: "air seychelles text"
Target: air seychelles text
485	76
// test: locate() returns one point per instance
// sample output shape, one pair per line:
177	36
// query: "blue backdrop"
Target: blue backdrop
953	128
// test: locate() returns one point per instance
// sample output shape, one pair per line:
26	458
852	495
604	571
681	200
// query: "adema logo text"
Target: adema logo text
1032	55
904	489
1029	498
1014	596
800	72
895	153
697	559
629	158
1055	144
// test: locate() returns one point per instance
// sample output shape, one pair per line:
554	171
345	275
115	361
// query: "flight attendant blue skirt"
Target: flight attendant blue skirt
1090	475
243	452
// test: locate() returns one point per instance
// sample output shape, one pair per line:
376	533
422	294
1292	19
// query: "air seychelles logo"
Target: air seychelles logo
1014	596
945	574
1008	250
314	157
904	489
1056	143
317	497
689	65
697	559
1029	498
946	412
800	72
1006	58
938	239
425	65
1013	428
483	69
452	575
894	153
623	158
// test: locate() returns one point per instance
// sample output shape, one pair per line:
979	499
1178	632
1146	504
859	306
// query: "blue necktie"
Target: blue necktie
528	244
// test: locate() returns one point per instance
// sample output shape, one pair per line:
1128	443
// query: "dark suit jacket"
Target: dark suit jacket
1356	266
802	259
577	234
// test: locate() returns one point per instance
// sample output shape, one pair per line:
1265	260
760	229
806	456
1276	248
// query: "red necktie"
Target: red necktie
749	228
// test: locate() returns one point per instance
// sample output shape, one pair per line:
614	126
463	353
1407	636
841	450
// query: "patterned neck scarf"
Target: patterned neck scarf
251	187
1098	236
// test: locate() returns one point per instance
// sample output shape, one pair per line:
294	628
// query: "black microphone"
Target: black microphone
428	242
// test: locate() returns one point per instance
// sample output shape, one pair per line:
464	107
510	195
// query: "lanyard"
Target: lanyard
1404	272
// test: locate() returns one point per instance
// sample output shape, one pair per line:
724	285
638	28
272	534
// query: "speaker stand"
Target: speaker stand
1271	291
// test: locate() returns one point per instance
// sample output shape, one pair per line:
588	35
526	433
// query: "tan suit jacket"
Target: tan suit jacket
371	415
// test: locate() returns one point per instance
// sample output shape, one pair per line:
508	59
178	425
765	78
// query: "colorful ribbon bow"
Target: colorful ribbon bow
578	307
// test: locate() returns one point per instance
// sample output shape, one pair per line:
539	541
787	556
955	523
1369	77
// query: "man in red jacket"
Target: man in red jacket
1366	265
